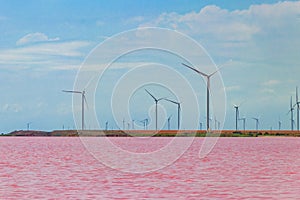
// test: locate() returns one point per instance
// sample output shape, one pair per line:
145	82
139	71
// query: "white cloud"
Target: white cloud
100	23
233	88
12	108
34	38
2	18
64	109
43	55
262	33
271	83
136	19
209	21
267	91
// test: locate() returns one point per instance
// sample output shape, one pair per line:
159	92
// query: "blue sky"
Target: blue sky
43	44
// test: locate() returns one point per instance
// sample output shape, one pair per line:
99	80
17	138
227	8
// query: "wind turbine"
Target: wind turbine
156	101
257	122
28	125
132	126
244	122
208	76
236	116
83	99
123	124
292	113
200	125
145	123
178	111
217	124
298	107
169	119
106	125
279	123
128	126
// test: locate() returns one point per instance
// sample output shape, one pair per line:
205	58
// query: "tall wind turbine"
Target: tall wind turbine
178	111
292	113
83	99
208	76
244	122
298	107
257	122
156	101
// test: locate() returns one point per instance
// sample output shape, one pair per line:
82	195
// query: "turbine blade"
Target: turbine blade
214	73
203	74
85	101
242	102
297	94
89	82
71	91
161	99
171	101
222	66
151	95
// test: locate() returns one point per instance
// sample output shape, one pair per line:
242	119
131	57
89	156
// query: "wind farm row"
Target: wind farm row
143	124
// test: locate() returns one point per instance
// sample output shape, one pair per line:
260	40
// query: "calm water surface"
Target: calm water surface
237	168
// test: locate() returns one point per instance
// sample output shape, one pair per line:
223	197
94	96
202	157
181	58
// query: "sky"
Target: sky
44	44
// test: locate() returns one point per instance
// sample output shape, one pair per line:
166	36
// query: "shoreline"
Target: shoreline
153	133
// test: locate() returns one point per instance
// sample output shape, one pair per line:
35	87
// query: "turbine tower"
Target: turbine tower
83	99
279	123
178	111
145	123
123	124
132	126
298	107
292	113
156	101
169	119
106	125
200	125
208	76
257	122
236	116
28	125
244	122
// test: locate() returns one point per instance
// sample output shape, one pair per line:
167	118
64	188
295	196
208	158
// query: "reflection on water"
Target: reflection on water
237	168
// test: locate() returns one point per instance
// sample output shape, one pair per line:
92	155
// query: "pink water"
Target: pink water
237	168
